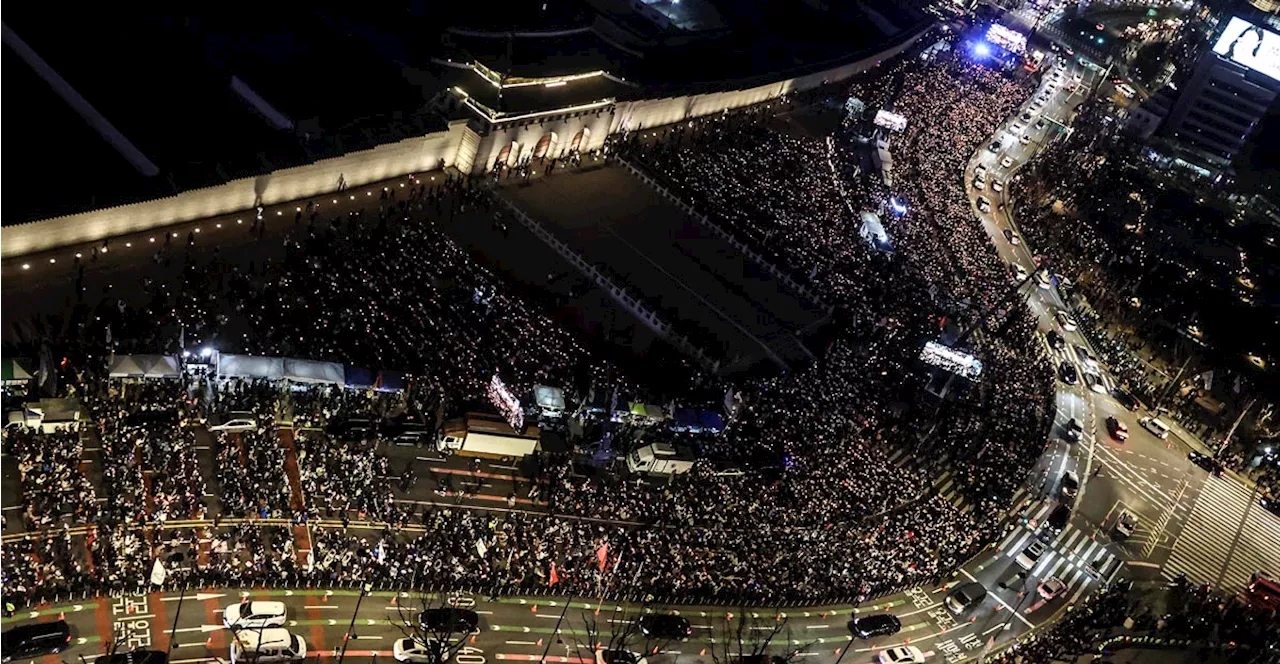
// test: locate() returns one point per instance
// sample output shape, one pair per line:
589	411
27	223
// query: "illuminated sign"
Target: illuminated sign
1250	46
1008	39
952	360
506	403
891	121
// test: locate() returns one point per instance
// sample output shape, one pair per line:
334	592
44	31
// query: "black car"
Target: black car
881	624
1067	372
34	640
1056	341
1125	399
965	597
409	432
449	620
994	147
1270	504
1206	462
1057	519
1073	430
353	428
665	626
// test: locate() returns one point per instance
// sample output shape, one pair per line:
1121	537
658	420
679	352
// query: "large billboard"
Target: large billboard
1251	46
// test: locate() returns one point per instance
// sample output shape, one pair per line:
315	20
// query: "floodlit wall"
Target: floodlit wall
459	147
411	155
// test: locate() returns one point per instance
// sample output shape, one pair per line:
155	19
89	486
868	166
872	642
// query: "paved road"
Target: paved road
1210	528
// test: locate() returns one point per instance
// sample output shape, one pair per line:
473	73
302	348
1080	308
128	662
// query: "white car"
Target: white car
1042	278
997	186
236	424
1126	524
984	205
1019	272
1017	128
254	615
979	184
412	650
1006	162
1026	138
1030	555
1051	588
980	171
901	655
267	646
1066	321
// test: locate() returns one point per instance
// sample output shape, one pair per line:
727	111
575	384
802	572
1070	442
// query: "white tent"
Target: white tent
158	366
249	366
126	366
311	371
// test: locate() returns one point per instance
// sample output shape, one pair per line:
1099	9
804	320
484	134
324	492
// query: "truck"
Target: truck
661	458
488	436
47	415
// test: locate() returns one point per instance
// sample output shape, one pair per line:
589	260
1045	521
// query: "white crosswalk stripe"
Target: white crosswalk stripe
1068	558
1208	549
1071	355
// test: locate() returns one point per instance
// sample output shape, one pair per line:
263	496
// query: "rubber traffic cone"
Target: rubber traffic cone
534	608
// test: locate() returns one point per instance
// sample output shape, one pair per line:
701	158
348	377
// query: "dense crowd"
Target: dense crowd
817	509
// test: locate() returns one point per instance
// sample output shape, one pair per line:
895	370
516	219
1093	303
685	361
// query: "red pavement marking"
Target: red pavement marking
492	476
301	544
315	641
103	619
217	640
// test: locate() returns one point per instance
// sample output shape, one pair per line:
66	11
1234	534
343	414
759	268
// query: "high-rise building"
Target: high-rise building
1228	93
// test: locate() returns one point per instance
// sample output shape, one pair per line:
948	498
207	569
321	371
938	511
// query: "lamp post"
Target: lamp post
346	638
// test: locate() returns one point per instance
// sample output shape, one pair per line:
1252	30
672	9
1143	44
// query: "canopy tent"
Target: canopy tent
126	366
358	378
310	371
14	373
158	366
549	399
249	366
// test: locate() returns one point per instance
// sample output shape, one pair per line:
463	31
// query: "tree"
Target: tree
746	639
438	627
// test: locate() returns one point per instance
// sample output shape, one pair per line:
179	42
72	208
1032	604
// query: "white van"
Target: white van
267	646
1155	426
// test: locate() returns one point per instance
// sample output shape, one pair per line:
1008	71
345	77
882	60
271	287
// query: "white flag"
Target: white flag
480	547
158	573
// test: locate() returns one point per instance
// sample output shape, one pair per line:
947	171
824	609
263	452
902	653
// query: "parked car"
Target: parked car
1050	588
414	651
35	640
1057	519
1055	340
448	620
1124	398
1072	430
665	626
1067	372
1066	321
614	656
1070	485
880	624
1206	462
1126	523
1155	426
1029	556
965	597
254	615
1094	381
1012	237
236	422
274	645
900	655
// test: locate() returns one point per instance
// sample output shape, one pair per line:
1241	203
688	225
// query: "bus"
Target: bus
1263	592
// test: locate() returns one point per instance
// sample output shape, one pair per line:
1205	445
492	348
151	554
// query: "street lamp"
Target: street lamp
346	638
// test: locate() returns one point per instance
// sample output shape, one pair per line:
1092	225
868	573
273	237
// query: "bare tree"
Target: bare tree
440	627
610	632
747	637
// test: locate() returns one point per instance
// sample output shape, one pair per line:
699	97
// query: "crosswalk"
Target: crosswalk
1227	537
1068	353
1068	556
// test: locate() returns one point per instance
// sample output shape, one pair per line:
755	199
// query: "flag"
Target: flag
555	578
158	573
182	337
480	547
616	562
381	552
602	555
